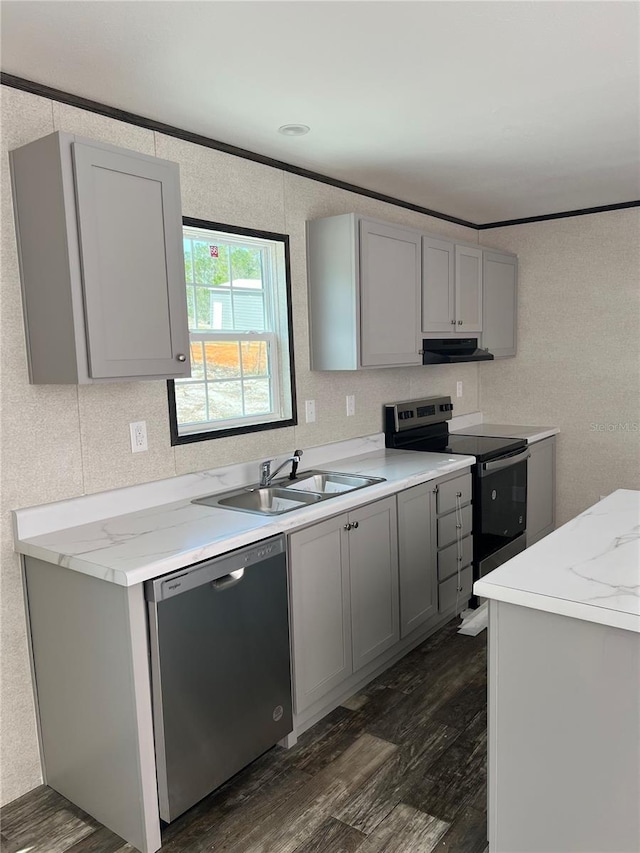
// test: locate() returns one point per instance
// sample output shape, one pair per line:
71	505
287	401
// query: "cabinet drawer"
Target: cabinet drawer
447	493
448	558
447	526
448	594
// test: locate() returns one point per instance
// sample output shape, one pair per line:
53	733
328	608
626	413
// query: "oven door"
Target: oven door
502	487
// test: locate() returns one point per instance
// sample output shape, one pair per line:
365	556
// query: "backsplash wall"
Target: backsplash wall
64	441
578	361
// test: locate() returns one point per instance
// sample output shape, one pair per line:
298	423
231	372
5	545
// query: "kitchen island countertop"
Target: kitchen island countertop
588	569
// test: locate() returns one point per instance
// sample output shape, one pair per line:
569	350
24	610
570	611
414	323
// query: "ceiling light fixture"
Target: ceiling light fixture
294	129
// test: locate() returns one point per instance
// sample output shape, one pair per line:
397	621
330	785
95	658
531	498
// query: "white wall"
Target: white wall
64	441
578	362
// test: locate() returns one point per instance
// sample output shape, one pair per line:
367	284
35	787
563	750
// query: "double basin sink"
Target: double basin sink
285	495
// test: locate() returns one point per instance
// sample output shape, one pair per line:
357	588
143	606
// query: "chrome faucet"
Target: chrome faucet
266	476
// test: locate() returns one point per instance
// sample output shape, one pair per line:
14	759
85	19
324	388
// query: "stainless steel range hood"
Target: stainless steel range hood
450	350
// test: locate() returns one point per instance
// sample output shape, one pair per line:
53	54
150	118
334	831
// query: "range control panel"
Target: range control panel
414	413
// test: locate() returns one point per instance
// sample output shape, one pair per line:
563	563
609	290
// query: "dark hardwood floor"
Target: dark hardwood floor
399	768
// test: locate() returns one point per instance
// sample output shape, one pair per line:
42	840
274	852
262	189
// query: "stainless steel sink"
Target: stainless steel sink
331	483
285	496
264	501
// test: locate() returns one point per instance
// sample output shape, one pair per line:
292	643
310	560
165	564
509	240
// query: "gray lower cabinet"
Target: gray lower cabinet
454	541
541	489
564	734
99	233
364	293
435	549
499	303
417	556
344	597
90	659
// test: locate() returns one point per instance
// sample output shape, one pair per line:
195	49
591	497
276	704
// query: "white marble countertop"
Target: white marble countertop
588	569
530	433
152	539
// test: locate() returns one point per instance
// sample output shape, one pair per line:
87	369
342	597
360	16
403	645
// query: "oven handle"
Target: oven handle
505	462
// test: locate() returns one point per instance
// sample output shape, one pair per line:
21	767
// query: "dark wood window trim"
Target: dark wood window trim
206	435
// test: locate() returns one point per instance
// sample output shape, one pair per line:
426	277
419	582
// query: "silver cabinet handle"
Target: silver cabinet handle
356	524
459	322
453	322
347	526
181	357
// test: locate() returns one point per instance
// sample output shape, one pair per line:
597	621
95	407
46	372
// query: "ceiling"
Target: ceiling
486	111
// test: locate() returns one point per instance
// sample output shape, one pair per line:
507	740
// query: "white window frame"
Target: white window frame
277	307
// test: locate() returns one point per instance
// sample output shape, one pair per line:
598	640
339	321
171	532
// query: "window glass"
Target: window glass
239	312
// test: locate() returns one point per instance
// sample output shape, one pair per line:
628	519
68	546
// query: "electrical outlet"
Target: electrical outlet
310	410
458	389
351	405
138	432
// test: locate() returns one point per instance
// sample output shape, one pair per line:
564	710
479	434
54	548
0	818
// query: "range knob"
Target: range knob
446	407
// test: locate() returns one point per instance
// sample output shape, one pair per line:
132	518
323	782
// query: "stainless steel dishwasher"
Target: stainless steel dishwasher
220	669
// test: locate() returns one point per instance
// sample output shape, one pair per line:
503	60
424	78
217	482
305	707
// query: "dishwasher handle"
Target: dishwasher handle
227	581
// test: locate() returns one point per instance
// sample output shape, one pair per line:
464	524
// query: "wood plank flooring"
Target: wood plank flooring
399	768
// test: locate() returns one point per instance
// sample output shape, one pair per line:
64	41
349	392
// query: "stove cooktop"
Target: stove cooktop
483	448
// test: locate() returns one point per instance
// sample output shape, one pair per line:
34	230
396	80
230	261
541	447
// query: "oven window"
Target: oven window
503	498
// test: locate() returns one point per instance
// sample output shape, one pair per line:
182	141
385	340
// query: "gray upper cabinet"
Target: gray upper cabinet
364	293
451	287
500	273
438	295
100	246
468	278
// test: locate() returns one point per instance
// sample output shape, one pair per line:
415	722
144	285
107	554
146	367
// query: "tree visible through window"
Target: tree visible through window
239	321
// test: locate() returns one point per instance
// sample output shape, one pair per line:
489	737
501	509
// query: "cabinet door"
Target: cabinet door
541	497
417	557
390	266
130	230
500	273
373	559
320	609
468	278
438	287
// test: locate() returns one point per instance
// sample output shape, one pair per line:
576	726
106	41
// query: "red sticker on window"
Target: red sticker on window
213	251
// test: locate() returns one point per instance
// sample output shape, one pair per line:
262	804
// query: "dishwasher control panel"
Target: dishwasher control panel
212	569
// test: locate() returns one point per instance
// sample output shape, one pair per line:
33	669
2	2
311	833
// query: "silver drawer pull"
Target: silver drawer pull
181	357
356	524
348	526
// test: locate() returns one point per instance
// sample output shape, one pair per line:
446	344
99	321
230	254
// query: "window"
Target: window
239	307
